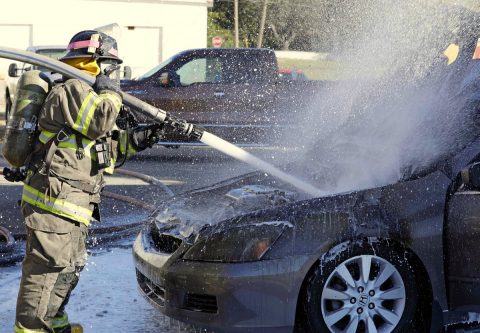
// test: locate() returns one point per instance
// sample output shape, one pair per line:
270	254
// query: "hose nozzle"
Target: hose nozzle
184	128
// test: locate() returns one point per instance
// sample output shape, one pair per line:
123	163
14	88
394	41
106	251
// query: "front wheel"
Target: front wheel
366	289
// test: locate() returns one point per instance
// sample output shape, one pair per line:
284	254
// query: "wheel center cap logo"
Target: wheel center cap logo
363	299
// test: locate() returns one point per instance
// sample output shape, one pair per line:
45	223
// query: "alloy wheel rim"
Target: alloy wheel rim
364	294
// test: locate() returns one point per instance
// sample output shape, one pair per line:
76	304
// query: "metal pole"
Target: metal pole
235	18
262	24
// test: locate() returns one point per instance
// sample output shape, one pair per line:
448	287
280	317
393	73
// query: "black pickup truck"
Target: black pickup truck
234	93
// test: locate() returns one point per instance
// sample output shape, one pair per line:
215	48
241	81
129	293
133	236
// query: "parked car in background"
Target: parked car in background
15	71
235	93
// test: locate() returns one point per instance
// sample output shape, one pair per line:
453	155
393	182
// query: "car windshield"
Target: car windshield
155	69
51	53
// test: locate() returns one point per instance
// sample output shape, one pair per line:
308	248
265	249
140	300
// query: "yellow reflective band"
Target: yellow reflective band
46	136
56	206
117	102
59	322
123	143
87	103
71	143
86	112
131	151
111	168
26	330
89	117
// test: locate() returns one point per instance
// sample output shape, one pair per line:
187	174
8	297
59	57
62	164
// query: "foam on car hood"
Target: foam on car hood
188	213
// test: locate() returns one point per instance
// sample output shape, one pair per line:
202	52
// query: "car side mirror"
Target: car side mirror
165	79
127	72
471	176
12	70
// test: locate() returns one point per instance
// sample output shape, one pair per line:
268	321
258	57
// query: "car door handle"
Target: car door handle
218	94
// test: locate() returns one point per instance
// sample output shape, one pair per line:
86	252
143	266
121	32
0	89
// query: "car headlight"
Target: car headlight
237	244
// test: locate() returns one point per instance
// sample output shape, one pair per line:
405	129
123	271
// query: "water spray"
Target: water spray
180	126
242	155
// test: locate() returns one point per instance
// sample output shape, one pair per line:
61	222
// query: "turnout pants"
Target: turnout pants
55	256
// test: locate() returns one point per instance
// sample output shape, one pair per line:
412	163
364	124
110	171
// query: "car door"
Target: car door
250	82
199	90
248	88
211	93
462	242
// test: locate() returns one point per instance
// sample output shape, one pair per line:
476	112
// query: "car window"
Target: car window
200	70
155	69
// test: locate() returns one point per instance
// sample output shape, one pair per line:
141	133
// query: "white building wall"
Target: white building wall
154	29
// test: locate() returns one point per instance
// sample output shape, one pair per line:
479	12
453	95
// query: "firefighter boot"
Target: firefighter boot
70	328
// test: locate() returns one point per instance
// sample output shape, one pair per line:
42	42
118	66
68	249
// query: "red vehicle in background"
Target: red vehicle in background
291	74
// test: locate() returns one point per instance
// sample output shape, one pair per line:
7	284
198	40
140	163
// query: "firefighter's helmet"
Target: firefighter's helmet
92	43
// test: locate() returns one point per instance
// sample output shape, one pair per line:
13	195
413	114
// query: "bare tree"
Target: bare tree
289	21
235	15
262	23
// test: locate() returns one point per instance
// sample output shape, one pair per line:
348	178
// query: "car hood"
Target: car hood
184	215
259	198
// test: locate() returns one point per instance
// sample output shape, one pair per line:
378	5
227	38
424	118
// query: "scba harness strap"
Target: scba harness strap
83	146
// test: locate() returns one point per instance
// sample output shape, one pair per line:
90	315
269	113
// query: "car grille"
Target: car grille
151	290
163	242
201	303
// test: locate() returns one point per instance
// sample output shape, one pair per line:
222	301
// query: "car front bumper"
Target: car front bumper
242	297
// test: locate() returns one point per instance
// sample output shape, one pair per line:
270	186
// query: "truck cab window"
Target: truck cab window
200	70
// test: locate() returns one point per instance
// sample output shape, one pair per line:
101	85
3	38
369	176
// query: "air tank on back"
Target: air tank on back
31	92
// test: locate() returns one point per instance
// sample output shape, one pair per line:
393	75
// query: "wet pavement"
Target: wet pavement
106	299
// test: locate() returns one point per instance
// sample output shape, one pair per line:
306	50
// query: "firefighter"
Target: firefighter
77	142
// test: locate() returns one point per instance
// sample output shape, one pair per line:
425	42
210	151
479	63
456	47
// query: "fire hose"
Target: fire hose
149	179
7	240
157	115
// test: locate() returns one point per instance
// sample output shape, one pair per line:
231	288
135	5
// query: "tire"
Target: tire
340	299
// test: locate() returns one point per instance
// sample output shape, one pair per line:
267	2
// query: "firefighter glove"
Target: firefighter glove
146	136
103	82
14	175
